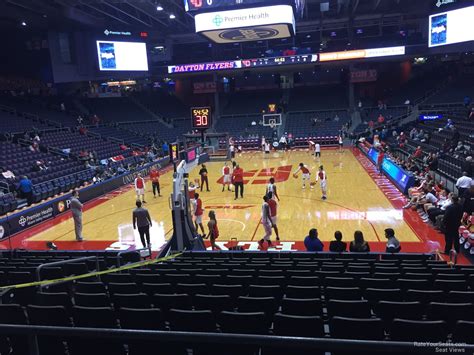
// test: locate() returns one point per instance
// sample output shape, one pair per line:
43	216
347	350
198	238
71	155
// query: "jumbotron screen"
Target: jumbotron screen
122	56
450	27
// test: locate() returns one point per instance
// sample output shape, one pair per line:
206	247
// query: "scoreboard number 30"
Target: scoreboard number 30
201	117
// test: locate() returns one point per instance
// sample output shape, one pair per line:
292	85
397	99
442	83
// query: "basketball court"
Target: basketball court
357	199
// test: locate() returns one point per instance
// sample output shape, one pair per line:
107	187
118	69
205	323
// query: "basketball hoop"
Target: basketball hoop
272	124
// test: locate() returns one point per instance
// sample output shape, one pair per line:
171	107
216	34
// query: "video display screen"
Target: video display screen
122	56
449	27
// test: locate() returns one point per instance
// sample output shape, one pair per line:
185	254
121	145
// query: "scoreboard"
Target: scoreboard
198	5
201	117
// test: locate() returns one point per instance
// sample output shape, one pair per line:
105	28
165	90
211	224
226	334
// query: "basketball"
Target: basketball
295	175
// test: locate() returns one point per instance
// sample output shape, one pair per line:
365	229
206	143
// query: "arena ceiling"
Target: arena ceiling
143	14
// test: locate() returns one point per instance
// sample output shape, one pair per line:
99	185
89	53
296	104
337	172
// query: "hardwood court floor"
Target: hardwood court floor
354	202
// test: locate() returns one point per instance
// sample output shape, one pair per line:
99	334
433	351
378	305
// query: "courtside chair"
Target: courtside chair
293	291
165	302
54	299
13	314
373	295
95	317
450	312
451	285
151	288
463	332
194	321
425	296
348	308
414	284
137	301
370	282
299	326
49	316
234	291
90	287
389	310
355	328
461	296
418	330
268	305
343	293
129	288
302	307
91	299
117	278
147	278
243	323
304	281
192	288
214	303
266	291
339	282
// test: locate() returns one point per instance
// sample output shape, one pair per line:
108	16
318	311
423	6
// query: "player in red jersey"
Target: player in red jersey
155	181
226	177
273	205
198	212
322	178
380	158
213	230
140	187
305	174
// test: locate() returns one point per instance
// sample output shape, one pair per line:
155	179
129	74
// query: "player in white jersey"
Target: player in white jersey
322	178
317	150
340	141
271	187
305	174
266	222
267	148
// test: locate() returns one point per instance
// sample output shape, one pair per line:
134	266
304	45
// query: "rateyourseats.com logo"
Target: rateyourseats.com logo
217	20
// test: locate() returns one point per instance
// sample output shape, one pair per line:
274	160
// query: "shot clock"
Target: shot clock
201	117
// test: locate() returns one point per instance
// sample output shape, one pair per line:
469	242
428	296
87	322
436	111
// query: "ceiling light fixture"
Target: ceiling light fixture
172	16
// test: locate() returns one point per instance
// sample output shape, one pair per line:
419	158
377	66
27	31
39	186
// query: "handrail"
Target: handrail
63	262
289	342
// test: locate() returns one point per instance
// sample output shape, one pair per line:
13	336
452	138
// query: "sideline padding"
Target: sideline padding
92	274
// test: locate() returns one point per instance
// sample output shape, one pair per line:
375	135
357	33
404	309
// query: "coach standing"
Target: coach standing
238	181
204	178
452	221
142	220
76	208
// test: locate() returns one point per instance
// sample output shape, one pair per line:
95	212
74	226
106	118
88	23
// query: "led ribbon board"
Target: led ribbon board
362	53
211	66
244	25
286	60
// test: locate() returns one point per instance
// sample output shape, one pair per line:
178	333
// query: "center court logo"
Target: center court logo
217	20
22	221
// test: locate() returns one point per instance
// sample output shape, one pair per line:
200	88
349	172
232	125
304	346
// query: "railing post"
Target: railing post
33	344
